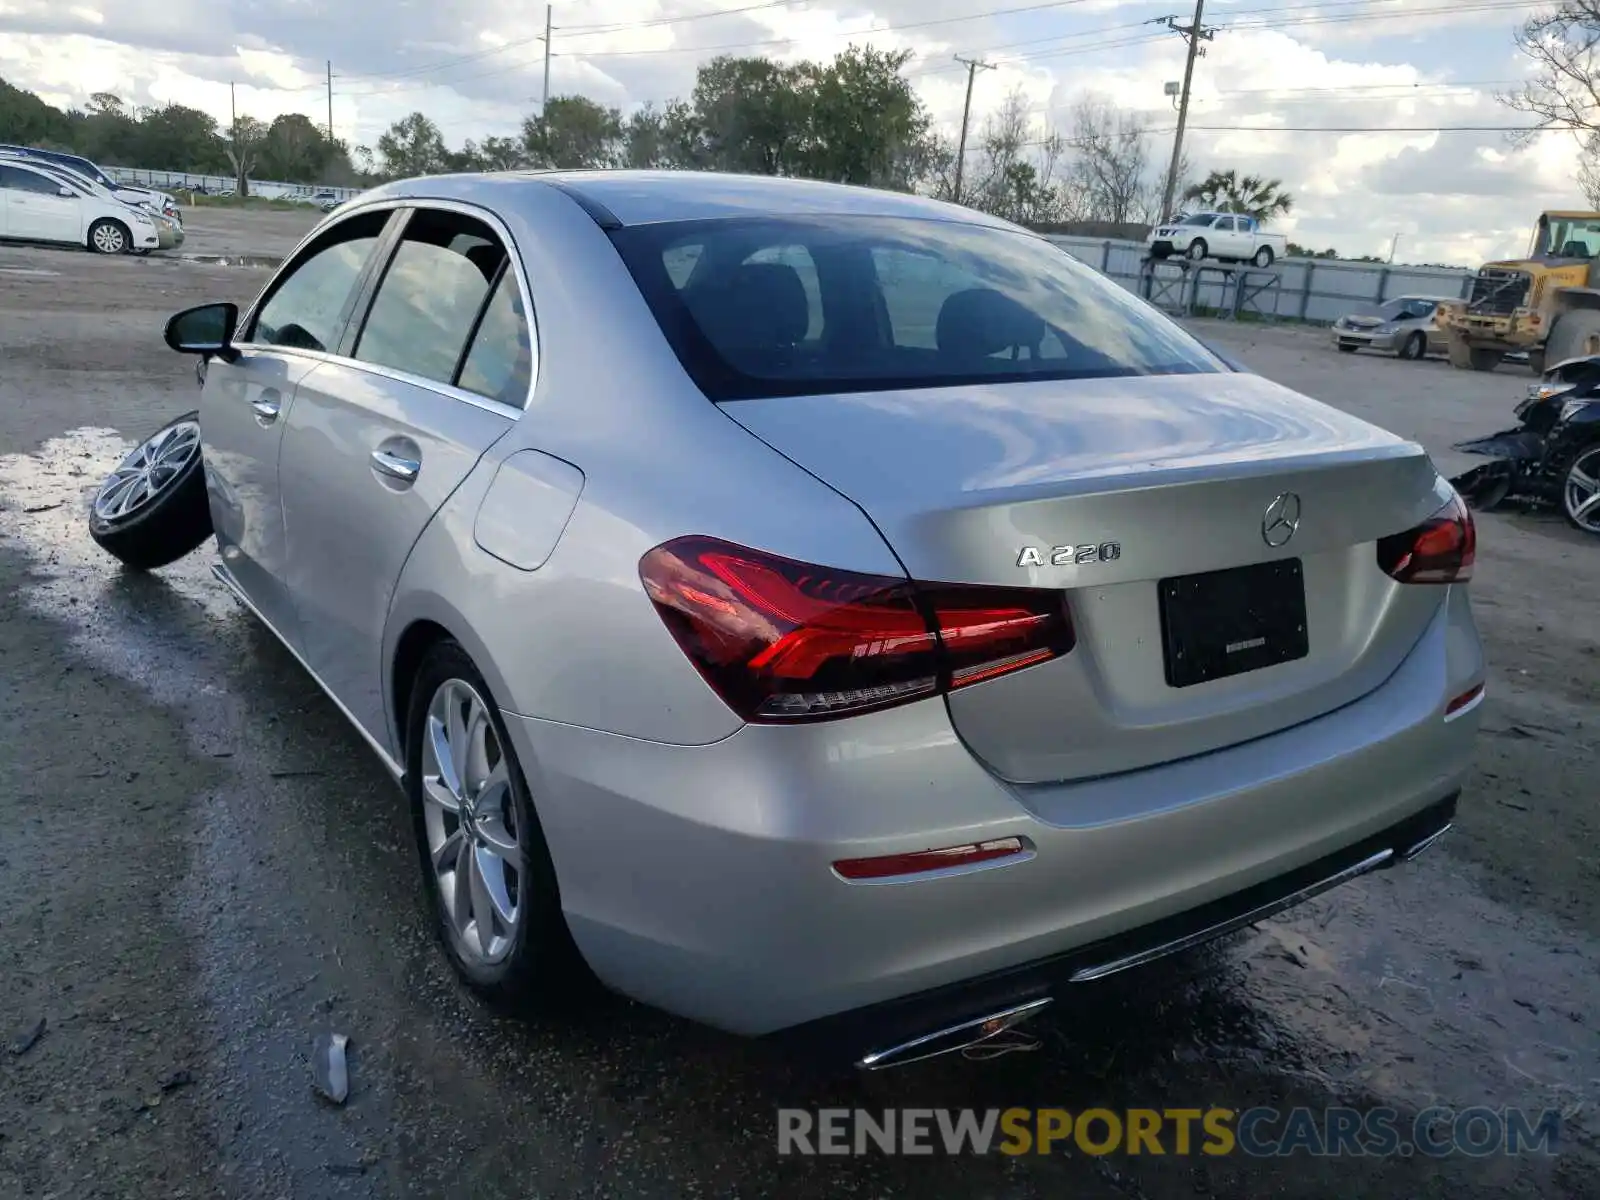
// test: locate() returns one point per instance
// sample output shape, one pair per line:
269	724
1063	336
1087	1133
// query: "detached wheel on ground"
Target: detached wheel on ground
153	510
485	865
1415	347
109	237
1580	489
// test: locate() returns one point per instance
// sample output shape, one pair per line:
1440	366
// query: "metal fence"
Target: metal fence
267	189
1308	289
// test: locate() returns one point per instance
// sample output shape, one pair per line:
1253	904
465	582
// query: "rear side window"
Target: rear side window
15	179
434	289
759	307
307	307
499	363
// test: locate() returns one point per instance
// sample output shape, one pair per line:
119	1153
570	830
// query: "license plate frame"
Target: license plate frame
1219	624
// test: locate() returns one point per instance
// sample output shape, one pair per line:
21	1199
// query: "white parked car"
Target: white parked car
151	198
1226	237
38	206
150	201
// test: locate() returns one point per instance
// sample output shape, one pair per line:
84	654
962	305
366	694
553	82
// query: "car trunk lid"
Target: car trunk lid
1118	490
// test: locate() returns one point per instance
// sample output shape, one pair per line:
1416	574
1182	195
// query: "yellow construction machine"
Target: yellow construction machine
1547	304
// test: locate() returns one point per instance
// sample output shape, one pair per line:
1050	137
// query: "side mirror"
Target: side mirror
65	191
205	330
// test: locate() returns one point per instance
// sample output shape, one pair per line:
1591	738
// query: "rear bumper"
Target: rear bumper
698	879
870	1030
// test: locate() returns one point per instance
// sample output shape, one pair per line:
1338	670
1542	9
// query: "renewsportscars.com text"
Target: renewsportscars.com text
1258	1132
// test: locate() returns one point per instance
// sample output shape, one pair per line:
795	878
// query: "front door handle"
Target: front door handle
267	406
394	466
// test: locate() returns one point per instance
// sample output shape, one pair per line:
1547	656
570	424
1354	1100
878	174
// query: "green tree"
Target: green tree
412	146
866	123
295	149
492	154
752	115
26	118
176	138
1228	191
662	138
574	133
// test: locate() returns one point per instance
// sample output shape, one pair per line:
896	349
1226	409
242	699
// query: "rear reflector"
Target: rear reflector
922	861
1440	550
1461	701
785	641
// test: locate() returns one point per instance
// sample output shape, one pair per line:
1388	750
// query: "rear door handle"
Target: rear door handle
267	406
394	466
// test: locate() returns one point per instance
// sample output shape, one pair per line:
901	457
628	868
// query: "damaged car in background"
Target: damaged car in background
1553	457
815	611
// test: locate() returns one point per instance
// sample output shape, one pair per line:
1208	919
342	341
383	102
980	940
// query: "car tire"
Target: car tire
1415	347
1197	250
153	509
530	960
1263	258
1580	479
109	237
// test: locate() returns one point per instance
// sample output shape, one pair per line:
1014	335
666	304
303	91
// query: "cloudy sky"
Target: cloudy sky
1383	75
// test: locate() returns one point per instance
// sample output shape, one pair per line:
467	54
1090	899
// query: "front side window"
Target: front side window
431	295
802	305
1200	220
307	308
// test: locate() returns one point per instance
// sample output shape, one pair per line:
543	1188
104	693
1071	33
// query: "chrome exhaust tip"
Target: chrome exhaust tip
953	1037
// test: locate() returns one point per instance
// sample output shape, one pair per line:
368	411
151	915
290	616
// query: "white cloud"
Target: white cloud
476	68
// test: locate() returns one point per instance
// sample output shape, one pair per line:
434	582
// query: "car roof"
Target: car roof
624	198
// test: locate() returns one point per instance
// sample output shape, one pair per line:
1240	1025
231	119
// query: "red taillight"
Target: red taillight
918	862
1440	550
781	640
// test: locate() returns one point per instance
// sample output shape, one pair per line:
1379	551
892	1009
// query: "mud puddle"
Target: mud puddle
1411	988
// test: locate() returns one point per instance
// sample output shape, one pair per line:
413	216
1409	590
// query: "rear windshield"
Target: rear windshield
793	306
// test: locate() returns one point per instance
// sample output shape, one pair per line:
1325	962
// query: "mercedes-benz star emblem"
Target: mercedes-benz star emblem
1281	519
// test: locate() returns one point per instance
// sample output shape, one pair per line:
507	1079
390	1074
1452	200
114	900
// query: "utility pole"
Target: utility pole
544	101
973	66
330	100
1394	244
1194	35
233	109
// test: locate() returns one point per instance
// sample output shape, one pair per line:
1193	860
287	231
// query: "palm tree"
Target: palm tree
1228	191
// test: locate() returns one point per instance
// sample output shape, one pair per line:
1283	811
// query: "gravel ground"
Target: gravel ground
201	869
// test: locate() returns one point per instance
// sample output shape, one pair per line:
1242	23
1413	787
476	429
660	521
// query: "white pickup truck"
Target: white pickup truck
1226	237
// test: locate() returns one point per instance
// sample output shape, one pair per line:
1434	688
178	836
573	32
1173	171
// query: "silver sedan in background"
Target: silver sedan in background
1406	326
819	610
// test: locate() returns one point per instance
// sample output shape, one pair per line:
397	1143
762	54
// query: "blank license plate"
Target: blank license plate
1223	623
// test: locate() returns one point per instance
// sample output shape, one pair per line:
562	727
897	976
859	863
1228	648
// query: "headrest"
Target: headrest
759	306
978	322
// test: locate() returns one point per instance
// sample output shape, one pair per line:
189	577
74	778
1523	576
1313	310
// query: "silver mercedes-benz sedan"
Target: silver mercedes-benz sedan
814	609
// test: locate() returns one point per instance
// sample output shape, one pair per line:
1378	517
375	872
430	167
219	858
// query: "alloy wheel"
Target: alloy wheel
1580	490
474	833
153	466
108	239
